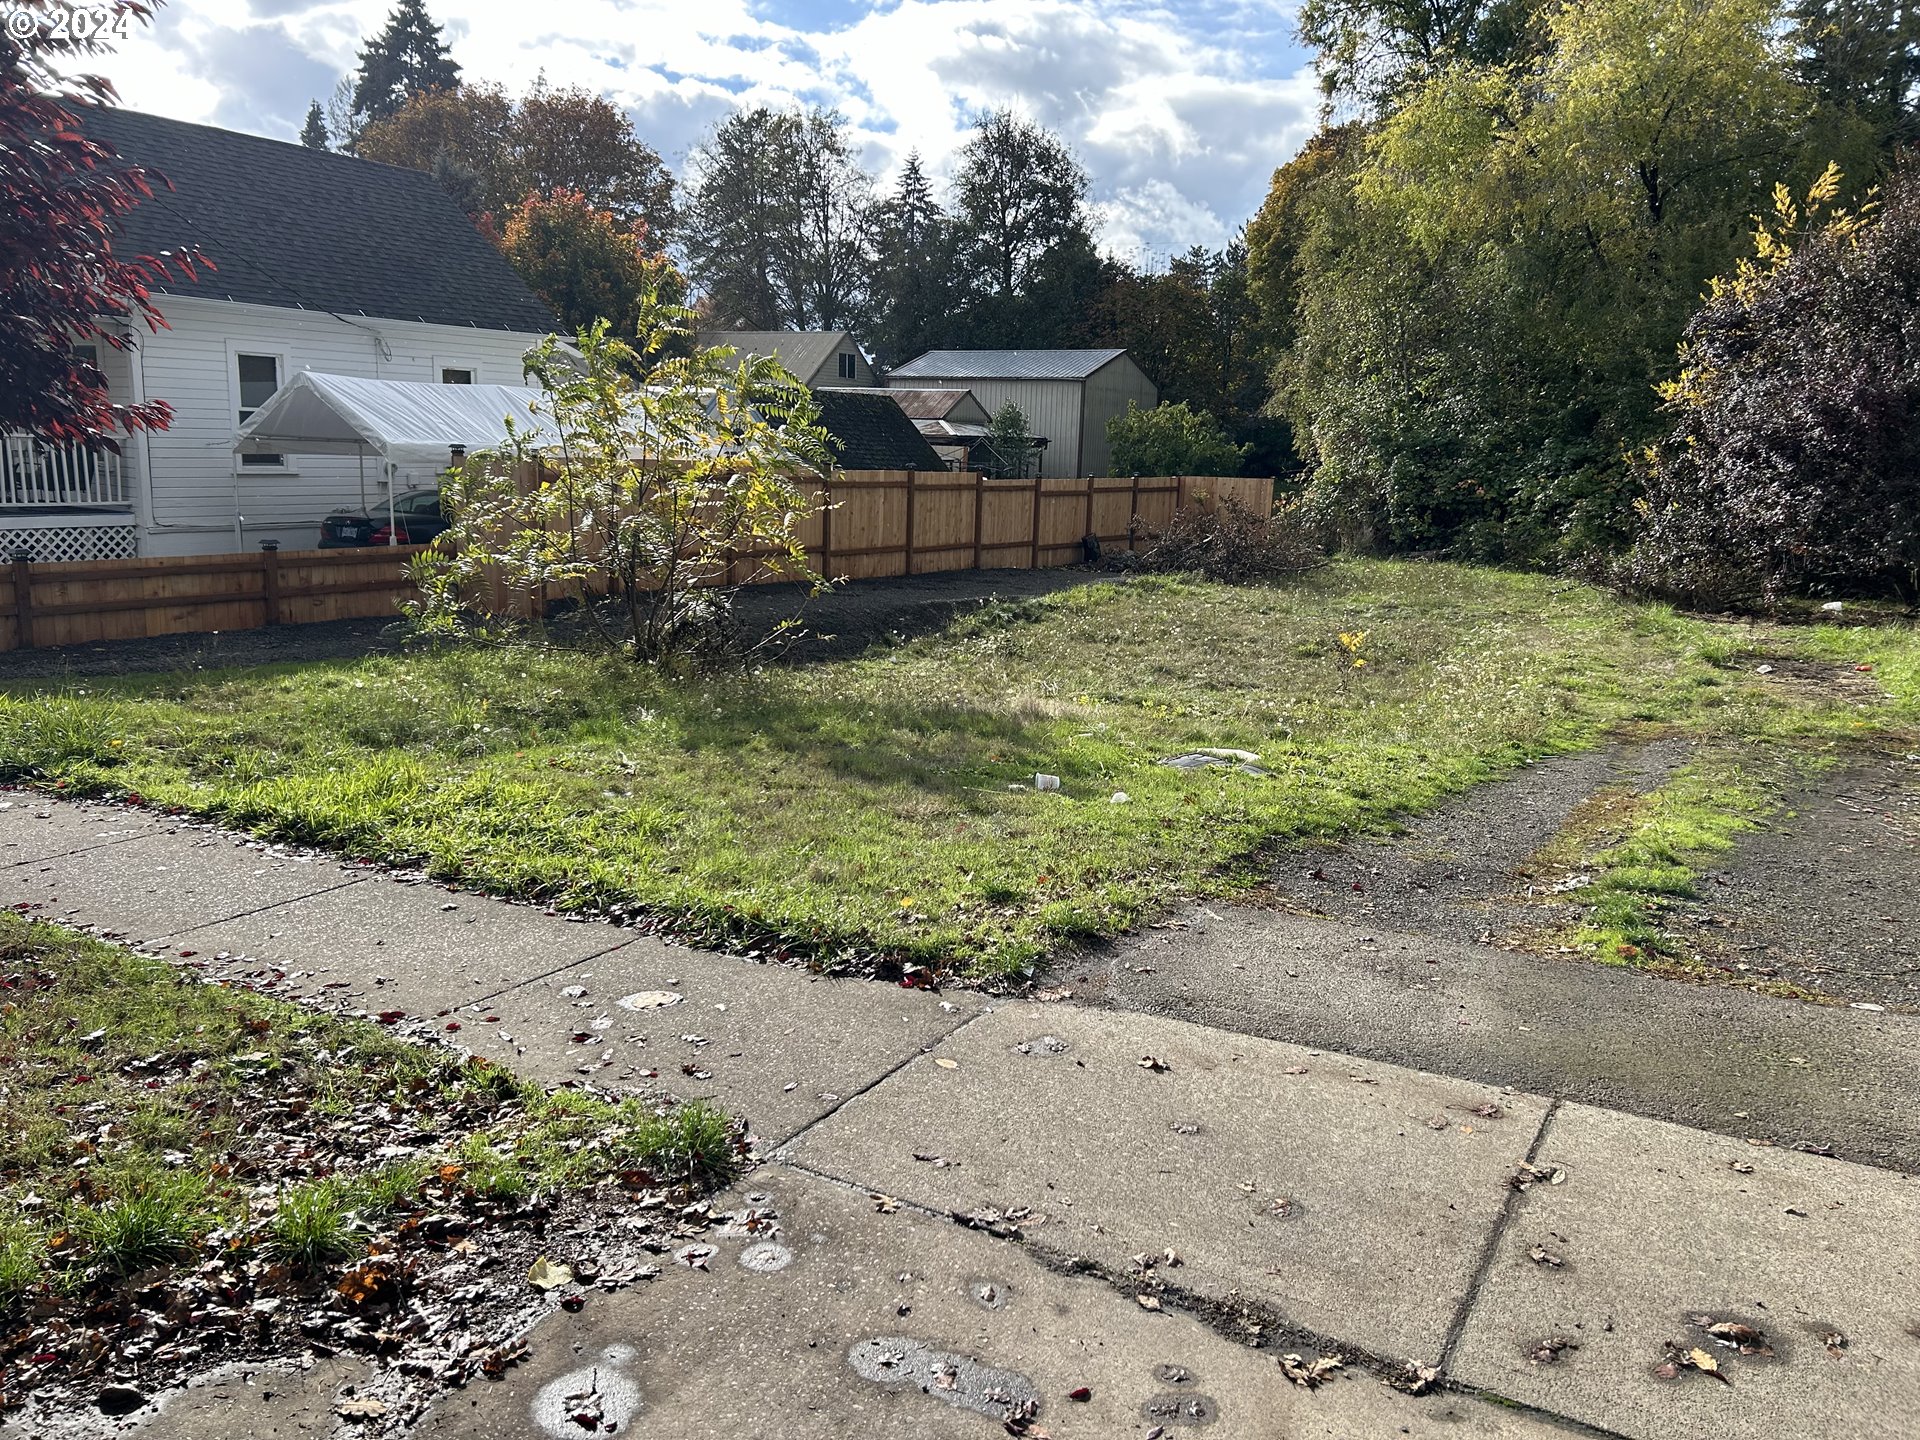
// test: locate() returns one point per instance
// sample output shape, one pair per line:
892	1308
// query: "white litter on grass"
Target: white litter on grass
1863	1005
1046	782
1833	607
1119	797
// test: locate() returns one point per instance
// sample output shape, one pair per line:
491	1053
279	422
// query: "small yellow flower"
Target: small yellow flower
906	902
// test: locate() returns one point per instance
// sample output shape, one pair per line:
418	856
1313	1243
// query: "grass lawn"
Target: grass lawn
188	1170
883	807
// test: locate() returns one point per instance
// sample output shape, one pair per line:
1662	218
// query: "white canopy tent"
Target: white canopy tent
401	421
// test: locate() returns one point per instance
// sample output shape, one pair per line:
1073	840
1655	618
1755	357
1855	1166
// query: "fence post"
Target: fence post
1133	517
906	565
1035	562
826	527
270	573
979	512
23	597
1089	529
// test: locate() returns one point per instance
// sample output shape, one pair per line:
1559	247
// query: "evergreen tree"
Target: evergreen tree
916	256
403	60
313	134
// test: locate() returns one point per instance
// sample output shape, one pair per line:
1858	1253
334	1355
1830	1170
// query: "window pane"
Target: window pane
259	378
456	377
274	461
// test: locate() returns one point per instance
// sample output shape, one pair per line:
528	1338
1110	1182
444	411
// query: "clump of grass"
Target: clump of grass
1665	837
48	735
316	1225
692	1144
153	1222
23	1256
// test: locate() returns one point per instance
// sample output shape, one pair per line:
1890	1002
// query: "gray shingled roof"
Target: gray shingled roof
803	352
1005	365
870	432
307	229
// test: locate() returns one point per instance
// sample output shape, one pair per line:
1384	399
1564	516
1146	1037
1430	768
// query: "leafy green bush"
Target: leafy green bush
1171	440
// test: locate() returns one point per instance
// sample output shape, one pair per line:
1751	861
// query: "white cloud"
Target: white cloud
1180	115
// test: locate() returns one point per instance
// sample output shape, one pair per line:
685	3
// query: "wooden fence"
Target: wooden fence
870	524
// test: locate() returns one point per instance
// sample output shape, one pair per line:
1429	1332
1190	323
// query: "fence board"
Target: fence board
881	523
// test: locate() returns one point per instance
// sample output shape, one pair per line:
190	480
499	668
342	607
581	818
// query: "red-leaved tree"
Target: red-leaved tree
60	192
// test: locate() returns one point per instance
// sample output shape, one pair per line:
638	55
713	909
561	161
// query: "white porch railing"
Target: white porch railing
35	472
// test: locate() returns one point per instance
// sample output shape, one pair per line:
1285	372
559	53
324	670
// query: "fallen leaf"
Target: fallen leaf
1294	1070
1835	1342
884	1204
547	1274
1148	1302
1415	1379
1698	1359
1307	1375
1081	1393
945	1064
1540	1255
1153	1063
360	1409
1740	1167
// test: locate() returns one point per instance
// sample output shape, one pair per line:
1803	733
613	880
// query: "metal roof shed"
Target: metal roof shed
1066	395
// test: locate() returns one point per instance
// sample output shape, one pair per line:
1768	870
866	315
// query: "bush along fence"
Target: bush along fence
868	525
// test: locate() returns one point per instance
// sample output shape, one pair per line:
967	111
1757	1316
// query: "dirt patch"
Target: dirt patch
1828	896
1481	868
842	623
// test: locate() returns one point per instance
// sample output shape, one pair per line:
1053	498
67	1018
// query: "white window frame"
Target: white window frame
849	365
284	369
444	363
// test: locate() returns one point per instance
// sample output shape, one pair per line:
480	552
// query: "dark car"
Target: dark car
417	517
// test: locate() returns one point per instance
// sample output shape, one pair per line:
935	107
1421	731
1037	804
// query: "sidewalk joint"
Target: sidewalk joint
1490	1250
773	1152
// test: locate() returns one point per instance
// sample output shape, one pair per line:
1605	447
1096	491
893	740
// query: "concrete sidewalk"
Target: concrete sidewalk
1262	1197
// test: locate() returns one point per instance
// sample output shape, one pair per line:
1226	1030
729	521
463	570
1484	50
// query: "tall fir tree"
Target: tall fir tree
916	248
403	60
313	134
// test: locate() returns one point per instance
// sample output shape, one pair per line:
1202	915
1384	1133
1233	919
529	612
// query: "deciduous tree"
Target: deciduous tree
63	276
670	464
584	264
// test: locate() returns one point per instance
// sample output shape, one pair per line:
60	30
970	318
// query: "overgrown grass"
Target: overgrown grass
142	1112
884	806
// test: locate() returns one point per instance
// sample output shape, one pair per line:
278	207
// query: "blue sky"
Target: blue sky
1180	112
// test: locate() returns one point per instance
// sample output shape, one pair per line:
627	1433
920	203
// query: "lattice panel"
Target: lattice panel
70	542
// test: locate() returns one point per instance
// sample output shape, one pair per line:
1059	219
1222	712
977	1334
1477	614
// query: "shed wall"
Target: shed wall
1108	391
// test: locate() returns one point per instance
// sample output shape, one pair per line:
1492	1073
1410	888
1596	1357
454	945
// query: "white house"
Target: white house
819	359
324	263
1067	395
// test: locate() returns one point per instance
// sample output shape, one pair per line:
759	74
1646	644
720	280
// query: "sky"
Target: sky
1180	112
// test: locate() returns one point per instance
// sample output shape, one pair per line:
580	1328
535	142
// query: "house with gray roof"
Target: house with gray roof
1067	395
318	262
821	359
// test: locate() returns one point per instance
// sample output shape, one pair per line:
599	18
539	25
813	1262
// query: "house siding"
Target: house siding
186	474
827	377
1108	390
